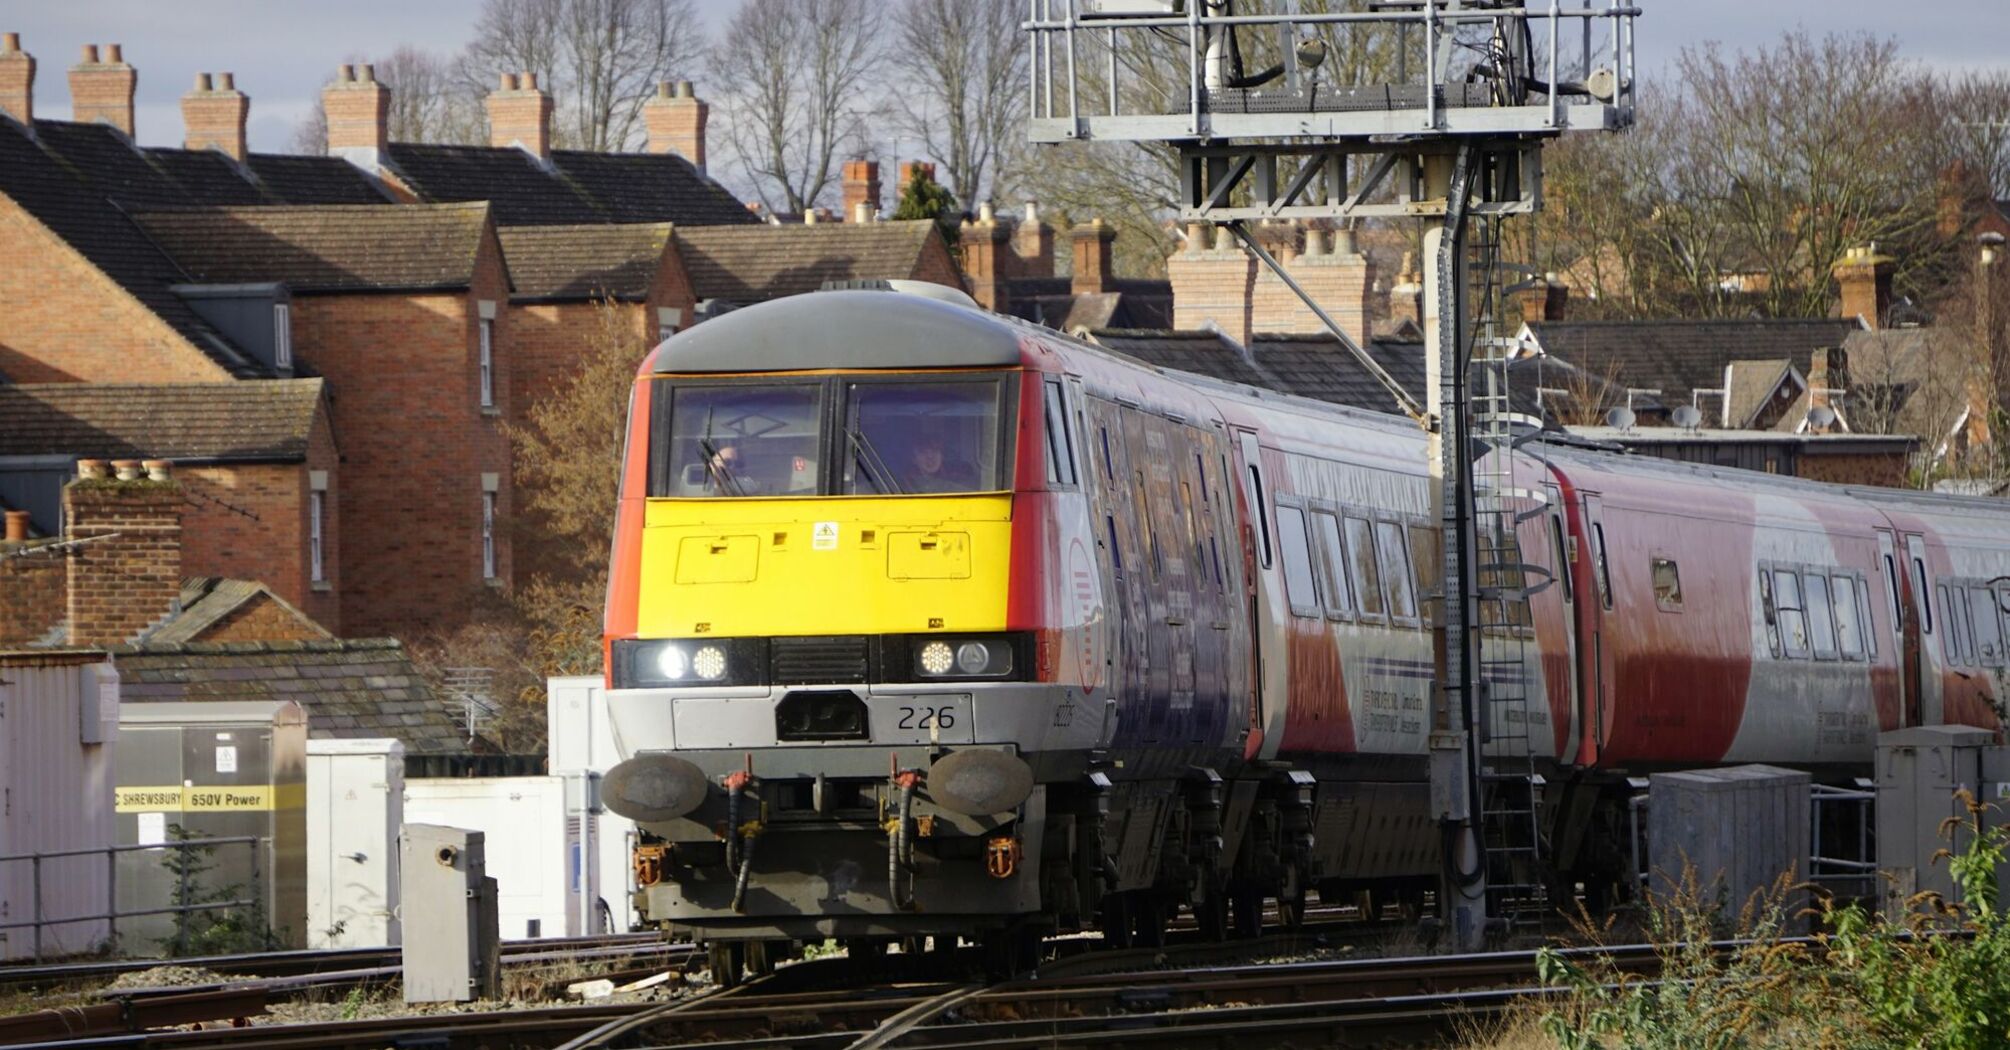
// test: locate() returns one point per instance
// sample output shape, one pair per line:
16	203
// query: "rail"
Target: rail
112	913
1459	67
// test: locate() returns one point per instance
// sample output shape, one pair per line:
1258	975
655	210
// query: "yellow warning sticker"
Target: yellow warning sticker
193	798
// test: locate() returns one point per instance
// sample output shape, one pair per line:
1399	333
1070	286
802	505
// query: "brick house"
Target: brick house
256	462
742	265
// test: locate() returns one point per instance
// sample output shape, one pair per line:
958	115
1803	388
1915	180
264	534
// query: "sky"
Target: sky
282	51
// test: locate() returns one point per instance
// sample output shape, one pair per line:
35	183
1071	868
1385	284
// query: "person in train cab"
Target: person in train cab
935	467
725	474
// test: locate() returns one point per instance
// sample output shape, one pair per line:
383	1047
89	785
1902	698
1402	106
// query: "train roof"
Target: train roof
842	329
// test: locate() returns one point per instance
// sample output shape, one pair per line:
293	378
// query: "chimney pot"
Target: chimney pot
530	81
91	469
348	74
506	82
662	89
126	469
202	82
10	43
157	469
115	53
986	215
861	212
227	81
90	53
17	526
366	73
685	90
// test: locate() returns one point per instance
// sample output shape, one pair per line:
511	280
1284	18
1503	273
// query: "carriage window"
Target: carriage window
1339	596
1396	570
1361	558
1429	569
1849	623
1793	619
1558	553
1667	585
1297	548
1869	625
1988	628
1060	460
739	440
1599	569
1957	641
1771	613
1821	616
922	437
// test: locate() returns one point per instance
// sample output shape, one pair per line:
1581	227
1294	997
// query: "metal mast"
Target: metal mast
1453	139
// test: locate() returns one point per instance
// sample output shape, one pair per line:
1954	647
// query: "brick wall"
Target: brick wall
1857	468
937	264
1213	285
260	620
63	320
125	573
404	389
33	597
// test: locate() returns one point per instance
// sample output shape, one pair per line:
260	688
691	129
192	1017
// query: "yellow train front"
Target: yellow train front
837	708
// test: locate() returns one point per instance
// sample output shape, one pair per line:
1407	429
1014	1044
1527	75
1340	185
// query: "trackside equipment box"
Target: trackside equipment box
1918	772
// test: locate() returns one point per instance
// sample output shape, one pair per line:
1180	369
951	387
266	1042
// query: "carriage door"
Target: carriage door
1918	675
1565	581
1598	700
1267	617
1904	636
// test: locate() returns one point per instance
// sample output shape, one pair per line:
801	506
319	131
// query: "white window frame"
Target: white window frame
488	535
282	335
488	362
317	570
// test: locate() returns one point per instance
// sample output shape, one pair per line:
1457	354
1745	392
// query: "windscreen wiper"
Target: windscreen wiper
714	466
869	457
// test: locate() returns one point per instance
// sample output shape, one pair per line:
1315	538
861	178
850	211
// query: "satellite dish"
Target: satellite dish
1620	418
1688	416
1821	416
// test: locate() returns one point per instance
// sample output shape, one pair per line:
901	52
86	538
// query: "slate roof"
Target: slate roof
750	264
83	180
584	262
1207	353
1135	303
270	420
206	601
577	187
1901	380
413	247
357	688
1316	366
1680	356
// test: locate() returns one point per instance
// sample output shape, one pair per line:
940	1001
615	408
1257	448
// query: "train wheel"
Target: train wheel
728	960
1211	914
1115	920
760	960
1246	901
1148	918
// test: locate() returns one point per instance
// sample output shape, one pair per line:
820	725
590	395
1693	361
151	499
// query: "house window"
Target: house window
488	535
316	572
488	363
282	337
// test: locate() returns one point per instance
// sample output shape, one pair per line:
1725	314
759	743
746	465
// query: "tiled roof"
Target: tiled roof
207	601
266	420
326	248
584	262
1902	380
1316	366
577	187
750	264
1134	303
365	688
82	180
1205	353
1679	357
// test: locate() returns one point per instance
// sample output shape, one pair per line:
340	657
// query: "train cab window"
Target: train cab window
1060	455
1821	617
1395	559
1849	622
1333	583
1988	626
923	436
1793	616
1667	584
1361	560
1769	610
739	439
1296	546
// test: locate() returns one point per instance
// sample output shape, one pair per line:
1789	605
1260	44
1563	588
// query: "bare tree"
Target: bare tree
429	103
798	84
963	95
600	59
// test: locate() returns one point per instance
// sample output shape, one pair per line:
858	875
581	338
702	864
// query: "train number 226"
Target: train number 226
927	718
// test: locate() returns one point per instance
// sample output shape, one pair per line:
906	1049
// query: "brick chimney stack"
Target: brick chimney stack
985	266
1092	258
861	189
213	114
520	115
1341	280
1033	243
1543	300
101	88
125	576
675	120
1406	296
1212	280
908	168
1865	277
17	80
359	116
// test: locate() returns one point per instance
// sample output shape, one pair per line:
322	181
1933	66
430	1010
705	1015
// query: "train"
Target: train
926	622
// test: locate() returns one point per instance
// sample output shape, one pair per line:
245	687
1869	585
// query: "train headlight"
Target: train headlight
985	657
641	663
